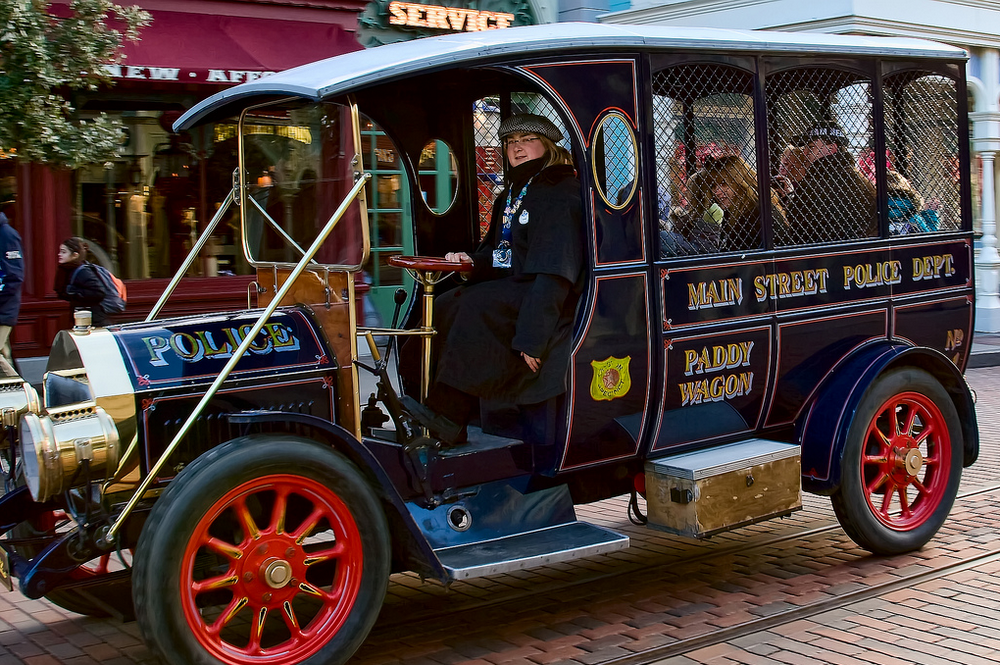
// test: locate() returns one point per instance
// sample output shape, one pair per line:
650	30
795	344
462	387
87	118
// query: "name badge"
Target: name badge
501	258
523	219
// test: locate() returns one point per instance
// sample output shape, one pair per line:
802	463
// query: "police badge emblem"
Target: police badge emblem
611	378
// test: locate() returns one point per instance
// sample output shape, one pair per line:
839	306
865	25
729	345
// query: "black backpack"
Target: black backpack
114	289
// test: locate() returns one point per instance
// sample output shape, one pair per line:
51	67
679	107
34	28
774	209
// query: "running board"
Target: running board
520	551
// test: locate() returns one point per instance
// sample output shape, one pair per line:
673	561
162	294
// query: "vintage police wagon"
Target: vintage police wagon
731	348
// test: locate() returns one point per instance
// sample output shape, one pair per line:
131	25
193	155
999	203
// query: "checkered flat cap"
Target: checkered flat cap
529	123
828	131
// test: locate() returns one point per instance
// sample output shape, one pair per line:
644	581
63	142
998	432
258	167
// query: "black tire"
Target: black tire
220	547
902	463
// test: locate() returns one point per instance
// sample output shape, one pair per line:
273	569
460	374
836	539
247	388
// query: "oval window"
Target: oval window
613	159
438	176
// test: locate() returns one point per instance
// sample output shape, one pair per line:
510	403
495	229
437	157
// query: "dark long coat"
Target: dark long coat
832	202
484	325
11	272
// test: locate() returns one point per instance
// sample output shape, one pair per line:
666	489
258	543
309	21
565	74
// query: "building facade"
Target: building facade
970	24
142	211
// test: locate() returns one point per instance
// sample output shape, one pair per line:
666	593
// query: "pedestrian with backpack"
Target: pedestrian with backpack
77	282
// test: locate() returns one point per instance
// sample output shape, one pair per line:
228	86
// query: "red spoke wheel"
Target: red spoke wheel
902	463
266	550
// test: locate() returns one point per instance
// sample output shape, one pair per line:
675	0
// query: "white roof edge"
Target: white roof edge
343	73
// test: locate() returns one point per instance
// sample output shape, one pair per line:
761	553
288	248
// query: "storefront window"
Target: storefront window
142	212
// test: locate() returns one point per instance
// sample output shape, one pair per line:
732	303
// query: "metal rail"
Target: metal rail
237	355
189	259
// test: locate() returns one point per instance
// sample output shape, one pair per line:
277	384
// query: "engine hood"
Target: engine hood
193	350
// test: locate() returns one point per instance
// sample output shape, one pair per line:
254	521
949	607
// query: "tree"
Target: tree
43	59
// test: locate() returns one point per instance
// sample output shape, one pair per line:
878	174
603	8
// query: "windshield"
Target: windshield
298	163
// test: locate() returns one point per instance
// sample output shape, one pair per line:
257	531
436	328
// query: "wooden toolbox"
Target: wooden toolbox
706	492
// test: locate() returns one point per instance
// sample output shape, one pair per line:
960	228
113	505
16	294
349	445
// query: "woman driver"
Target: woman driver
505	335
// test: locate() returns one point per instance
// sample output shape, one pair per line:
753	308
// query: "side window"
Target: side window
614	160
707	194
922	179
489	155
819	129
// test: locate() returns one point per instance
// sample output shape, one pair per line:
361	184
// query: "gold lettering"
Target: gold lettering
437	17
211	349
194	353
397	13
156	346
417	15
687	393
720	293
281	336
790	284
872	274
456	18
932	267
716	389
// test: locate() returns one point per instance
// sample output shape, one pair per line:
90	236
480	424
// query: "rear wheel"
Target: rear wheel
902	464
265	550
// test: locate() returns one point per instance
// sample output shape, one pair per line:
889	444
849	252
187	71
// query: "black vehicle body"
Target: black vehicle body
776	348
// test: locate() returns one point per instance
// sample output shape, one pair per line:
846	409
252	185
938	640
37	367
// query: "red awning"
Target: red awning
204	48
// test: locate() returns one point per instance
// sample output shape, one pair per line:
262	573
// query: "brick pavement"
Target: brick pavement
660	590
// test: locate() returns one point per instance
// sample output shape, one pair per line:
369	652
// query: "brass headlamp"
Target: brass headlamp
55	446
17	397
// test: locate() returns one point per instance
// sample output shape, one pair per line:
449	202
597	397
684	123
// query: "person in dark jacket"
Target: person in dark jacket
77	282
11	279
834	201
505	335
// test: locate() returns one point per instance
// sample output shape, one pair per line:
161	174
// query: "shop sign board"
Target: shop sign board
180	75
387	21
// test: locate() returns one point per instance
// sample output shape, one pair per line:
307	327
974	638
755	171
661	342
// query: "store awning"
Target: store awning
220	50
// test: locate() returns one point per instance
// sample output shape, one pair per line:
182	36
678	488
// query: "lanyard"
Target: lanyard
502	254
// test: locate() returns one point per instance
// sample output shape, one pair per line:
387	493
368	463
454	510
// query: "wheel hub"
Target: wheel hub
905	463
913	462
277	573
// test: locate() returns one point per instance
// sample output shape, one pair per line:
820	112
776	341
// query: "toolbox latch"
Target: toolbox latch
678	495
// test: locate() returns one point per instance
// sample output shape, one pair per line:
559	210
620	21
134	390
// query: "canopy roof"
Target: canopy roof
353	71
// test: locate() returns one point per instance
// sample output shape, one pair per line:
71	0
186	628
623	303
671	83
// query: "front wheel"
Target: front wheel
902	464
266	550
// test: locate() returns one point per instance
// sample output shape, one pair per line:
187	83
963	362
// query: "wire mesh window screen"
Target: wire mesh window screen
489	157
922	182
707	194
819	127
489	153
615	160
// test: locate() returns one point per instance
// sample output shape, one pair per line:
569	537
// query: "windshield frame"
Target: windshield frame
245	204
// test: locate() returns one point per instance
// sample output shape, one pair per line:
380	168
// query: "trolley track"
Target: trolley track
409	619
722	635
668	601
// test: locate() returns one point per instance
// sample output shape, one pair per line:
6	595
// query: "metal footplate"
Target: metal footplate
563	542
